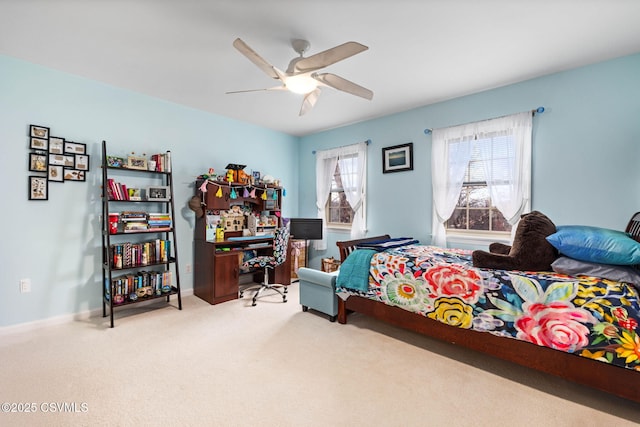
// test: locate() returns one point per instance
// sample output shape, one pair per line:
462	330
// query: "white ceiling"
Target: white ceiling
420	51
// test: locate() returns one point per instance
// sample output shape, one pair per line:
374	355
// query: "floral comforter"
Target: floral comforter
588	316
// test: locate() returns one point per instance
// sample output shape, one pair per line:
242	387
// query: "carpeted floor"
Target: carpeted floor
273	365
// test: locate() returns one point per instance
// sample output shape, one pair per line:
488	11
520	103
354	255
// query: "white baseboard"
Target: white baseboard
25	327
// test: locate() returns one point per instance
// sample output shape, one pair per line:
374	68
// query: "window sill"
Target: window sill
475	239
339	228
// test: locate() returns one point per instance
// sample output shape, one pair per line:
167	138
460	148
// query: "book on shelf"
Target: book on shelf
137	216
132	227
153	223
161	215
116	190
127	259
163	161
135	221
159	221
136	254
125	285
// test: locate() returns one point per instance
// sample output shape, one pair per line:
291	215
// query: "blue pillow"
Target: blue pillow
594	244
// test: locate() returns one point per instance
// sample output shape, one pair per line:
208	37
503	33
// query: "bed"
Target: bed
596	341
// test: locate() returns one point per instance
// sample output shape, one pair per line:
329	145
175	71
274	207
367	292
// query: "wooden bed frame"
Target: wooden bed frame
608	378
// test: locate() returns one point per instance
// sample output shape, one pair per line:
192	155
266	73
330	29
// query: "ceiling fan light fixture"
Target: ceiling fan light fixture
301	84
301	77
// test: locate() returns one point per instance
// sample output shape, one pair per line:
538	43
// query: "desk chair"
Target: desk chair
280	243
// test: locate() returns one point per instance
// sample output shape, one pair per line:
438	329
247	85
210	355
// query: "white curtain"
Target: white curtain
506	153
450	154
504	144
325	167
353	173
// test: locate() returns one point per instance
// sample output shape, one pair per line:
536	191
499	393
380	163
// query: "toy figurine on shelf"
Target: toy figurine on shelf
219	232
208	176
235	173
243	177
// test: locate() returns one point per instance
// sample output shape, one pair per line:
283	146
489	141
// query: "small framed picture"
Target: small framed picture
74	175
39	144
38	162
69	161
56	159
74	148
82	162
55	173
134	194
158	193
134	162
38	188
397	158
56	145
36	131
115	162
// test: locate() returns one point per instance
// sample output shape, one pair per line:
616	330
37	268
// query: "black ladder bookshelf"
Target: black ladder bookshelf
139	251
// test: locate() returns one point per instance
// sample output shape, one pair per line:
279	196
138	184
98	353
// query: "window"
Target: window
338	210
341	177
481	176
474	211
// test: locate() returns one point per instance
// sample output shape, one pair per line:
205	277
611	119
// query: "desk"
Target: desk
217	267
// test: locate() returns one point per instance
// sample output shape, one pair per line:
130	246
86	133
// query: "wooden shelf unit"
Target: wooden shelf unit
217	263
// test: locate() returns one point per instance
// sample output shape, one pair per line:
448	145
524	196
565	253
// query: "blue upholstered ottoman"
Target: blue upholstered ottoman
318	291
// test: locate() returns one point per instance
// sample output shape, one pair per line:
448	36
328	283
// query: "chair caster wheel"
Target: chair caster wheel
253	304
305	308
284	299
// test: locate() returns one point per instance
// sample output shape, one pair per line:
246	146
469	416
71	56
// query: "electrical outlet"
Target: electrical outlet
25	285
188	268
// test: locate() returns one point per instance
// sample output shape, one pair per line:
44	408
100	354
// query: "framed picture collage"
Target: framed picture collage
54	159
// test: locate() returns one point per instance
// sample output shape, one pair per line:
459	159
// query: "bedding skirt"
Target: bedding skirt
586	316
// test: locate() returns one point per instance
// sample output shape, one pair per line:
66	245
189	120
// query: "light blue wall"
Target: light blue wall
56	243
586	147
585	151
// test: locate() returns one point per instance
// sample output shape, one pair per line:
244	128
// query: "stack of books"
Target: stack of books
125	286
163	161
116	190
134	222
132	254
159	222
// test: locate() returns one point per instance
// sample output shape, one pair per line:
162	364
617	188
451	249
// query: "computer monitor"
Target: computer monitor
305	228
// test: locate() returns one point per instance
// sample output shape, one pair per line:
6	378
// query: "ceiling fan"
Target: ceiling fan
301	76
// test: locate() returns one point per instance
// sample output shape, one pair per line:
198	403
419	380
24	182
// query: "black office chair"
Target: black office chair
280	243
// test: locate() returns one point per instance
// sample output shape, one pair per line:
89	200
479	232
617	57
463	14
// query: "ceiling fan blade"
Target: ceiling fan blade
328	57
283	87
309	101
251	54
344	85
